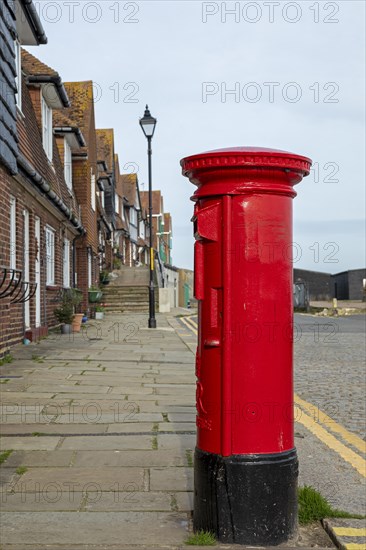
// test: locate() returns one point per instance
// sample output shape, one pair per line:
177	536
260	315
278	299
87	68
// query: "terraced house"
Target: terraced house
39	213
67	215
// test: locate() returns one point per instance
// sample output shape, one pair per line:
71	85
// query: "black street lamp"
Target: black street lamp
148	124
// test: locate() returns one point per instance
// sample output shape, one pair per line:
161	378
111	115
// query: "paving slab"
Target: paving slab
125	459
176	441
132	501
43	443
70	480
42	500
54	429
171	479
114	443
123	529
66	388
41	459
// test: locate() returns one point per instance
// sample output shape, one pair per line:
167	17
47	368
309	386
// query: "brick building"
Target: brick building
136	220
39	214
121	233
66	212
80	116
161	223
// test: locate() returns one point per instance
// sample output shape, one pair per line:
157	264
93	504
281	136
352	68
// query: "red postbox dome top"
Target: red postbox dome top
246	156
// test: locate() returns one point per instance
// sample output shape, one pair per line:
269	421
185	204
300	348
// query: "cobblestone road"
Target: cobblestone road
330	367
330	406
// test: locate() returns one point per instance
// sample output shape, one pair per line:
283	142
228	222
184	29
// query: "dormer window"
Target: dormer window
68	164
18	78
47	136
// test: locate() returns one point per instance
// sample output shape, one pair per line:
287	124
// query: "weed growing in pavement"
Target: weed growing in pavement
36	434
174	503
155	427
37	358
21	470
5	455
189	458
6	359
201	538
155	443
4	381
165	417
314	507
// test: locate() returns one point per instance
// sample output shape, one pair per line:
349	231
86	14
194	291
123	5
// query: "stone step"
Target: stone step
117	300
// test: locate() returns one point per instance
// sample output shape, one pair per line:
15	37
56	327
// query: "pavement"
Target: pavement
101	429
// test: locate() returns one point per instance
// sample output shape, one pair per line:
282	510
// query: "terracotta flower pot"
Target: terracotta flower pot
76	322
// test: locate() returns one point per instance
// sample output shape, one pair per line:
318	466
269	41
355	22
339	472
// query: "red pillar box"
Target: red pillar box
245	461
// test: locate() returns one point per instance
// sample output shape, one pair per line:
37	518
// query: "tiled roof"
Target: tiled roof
81	112
8	111
33	66
30	146
105	147
129	183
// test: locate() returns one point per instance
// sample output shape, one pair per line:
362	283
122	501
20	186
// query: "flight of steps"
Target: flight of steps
129	291
120	299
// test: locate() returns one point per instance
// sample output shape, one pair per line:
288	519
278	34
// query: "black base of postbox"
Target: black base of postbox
246	499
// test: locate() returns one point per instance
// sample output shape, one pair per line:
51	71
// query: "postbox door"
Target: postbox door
208	292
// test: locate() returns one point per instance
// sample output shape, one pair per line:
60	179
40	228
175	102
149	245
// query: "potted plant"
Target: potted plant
99	312
65	313
117	264
104	277
94	294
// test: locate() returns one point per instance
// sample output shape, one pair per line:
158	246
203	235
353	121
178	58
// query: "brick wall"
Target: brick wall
12	326
319	283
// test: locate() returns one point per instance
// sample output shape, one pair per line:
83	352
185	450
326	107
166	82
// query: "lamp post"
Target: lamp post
148	124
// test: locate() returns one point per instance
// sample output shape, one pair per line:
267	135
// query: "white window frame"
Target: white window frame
50	255
47	131
13	232
68	164
18	78
66	264
133	217
102	197
92	190
116	203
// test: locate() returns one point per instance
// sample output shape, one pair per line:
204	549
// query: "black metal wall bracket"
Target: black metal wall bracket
9	283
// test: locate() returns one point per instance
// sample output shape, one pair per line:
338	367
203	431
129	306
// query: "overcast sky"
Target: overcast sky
183	58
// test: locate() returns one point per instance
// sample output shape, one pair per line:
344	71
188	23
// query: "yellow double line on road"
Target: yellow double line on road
322	426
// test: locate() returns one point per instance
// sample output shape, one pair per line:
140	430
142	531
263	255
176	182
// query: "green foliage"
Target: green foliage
103	276
69	303
21	470
314	507
5	455
117	264
201	538
6	359
155	443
